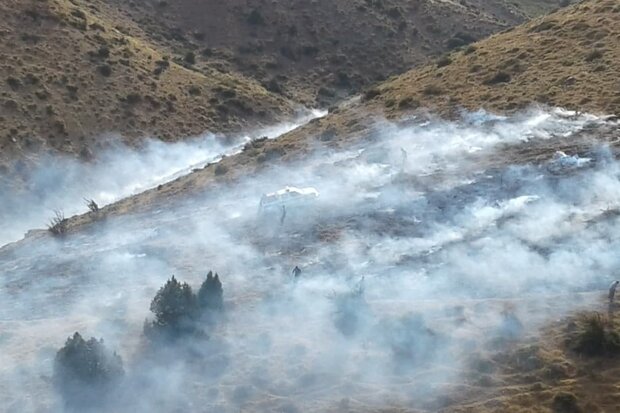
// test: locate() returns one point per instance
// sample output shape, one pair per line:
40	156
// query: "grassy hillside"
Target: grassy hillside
322	50
69	71
551	372
541	78
568	59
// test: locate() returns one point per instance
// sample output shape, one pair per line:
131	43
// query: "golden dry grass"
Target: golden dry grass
354	121
316	52
70	71
567	59
547	375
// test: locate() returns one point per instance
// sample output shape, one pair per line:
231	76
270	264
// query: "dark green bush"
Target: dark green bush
596	336
85	372
444	61
175	310
499	77
564	402
255	18
211	294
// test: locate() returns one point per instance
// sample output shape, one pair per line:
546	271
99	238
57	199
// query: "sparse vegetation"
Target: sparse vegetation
564	402
444	61
596	336
256	18
175	310
58	224
211	295
220	169
499	77
105	70
178	311
432	90
190	58
85	372
370	94
594	55
92	205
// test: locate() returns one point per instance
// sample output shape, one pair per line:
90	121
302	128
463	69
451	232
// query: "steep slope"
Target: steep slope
71	70
68	73
568	59
594	90
322	50
546	374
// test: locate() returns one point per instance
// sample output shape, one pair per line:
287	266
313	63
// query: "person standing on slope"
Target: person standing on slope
612	290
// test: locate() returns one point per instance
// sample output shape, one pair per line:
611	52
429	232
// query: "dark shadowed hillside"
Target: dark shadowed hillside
320	51
71	70
545	61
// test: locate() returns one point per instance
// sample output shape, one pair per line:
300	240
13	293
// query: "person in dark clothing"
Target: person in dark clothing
296	272
283	216
612	291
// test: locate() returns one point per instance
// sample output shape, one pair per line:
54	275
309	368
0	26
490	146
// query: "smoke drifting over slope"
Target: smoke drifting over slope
60	183
408	256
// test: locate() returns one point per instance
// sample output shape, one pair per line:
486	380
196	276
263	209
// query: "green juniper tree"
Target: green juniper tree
175	310
210	295
85	372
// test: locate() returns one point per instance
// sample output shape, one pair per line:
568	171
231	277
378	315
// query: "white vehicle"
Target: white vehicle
562	163
288	196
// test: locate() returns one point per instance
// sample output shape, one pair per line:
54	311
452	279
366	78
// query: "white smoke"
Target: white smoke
440	222
63	183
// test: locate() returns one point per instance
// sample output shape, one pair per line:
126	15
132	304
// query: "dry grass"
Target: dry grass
322	50
550	376
70	71
567	59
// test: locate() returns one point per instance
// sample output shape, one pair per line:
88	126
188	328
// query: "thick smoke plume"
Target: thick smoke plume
419	249
63	183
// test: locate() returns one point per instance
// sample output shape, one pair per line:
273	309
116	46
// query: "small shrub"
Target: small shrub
408	103
92	205
544	26
444	61
309	50
596	336
103	52
594	55
370	94
326	92
350	307
460	39
273	86
105	70
469	50
133	98
78	13
255	18
13	82
58	224
220	169
499	77
190	58
287	52
432	90
564	402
